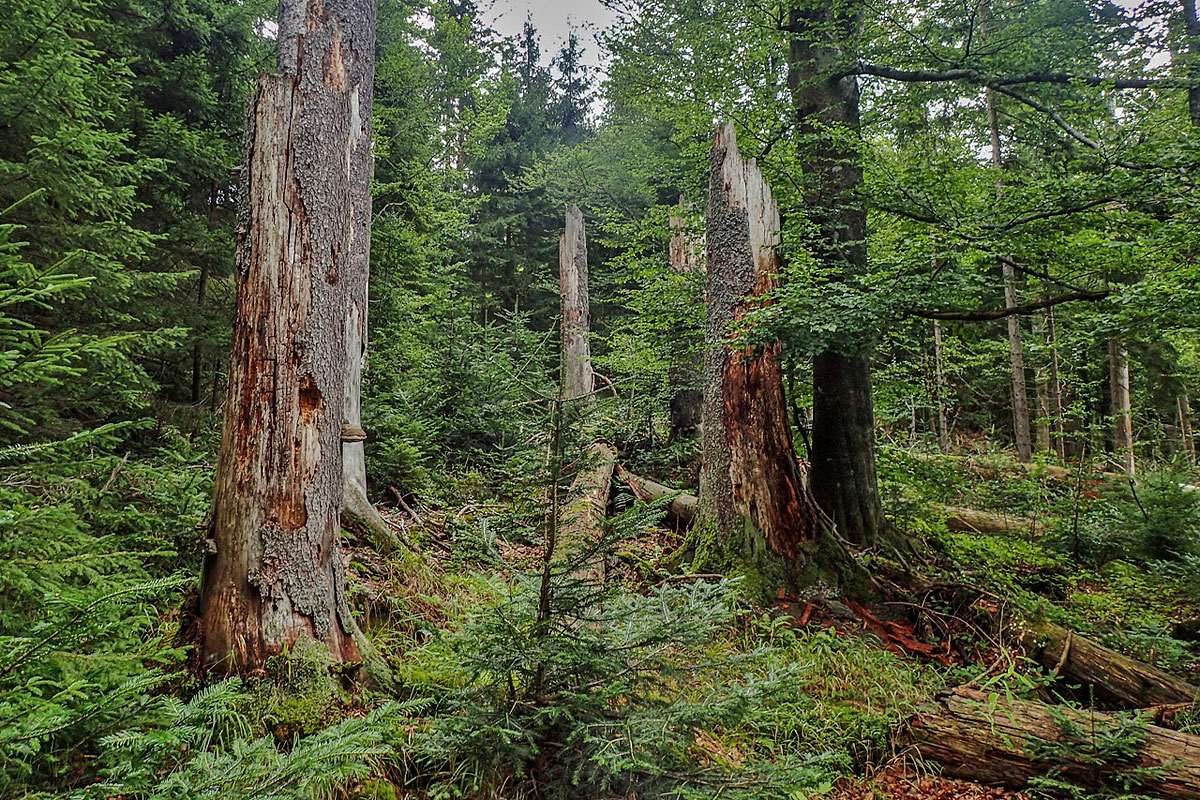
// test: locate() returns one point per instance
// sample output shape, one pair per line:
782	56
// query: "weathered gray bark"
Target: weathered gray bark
1122	410
576	356
754	501
940	391
1016	352
277	572
358	513
844	481
997	740
581	527
684	377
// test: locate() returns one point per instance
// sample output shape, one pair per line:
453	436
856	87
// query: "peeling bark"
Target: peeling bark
753	493
277	572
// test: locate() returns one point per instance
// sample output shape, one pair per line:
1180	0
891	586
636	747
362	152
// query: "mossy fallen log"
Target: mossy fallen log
1012	742
1133	683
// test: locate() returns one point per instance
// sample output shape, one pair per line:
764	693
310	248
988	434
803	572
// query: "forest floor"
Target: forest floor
664	684
1077	549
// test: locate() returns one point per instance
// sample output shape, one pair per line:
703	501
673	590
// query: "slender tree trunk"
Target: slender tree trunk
357	510
1055	388
277	572
201	296
1020	397
1185	428
844	482
576	360
1042	392
940	391
1192	27
754	505
684	375
1122	411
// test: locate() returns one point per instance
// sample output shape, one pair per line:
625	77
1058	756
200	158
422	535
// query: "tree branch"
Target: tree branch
985	315
996	81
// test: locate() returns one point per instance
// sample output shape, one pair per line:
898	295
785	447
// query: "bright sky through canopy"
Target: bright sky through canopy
554	19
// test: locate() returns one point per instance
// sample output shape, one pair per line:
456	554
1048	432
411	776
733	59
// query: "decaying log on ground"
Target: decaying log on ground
682	506
582	525
1009	742
1078	658
973	521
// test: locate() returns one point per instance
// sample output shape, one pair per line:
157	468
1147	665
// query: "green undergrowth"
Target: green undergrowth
1113	561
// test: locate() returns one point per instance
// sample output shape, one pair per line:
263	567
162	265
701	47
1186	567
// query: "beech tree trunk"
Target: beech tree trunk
754	501
844	482
684	377
1122	411
1020	396
1009	742
1185	428
577	380
1042	389
940	391
276	572
1055	389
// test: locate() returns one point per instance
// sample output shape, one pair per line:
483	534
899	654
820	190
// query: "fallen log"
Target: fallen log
1009	742
1134	683
682	506
581	526
971	521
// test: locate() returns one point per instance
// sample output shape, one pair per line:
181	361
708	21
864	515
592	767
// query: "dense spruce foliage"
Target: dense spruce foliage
989	393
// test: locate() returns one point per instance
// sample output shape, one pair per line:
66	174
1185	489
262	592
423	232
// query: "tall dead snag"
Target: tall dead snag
1122	410
1010	742
577	380
686	395
844	480
754	501
276	572
582	522
358	513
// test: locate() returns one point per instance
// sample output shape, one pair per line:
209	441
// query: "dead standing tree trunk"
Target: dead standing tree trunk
582	523
358	513
577	379
755	507
277	573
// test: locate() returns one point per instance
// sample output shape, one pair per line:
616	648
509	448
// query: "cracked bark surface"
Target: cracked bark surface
276	572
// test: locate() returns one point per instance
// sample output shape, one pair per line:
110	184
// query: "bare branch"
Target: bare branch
988	314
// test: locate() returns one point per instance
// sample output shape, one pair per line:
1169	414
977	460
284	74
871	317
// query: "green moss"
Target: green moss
300	693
